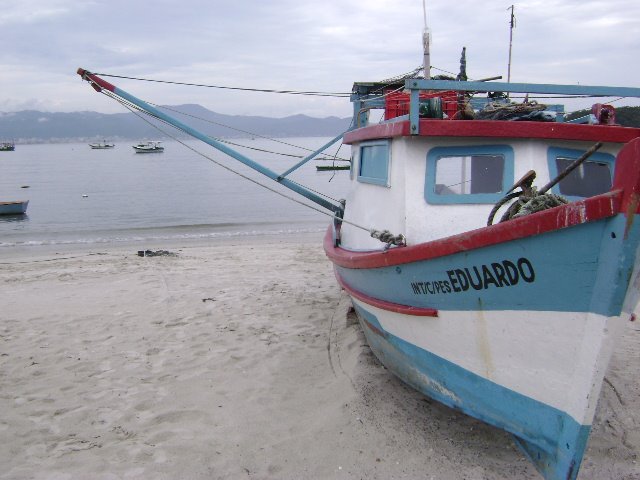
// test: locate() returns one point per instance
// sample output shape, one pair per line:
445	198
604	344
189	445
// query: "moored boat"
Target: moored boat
7	146
513	321
102	145
148	147
16	207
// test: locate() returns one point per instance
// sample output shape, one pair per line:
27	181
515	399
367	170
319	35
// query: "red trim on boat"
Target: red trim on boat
576	213
384	305
496	129
96	82
627	177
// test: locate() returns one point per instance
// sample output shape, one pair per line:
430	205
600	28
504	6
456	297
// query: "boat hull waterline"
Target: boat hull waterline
14	208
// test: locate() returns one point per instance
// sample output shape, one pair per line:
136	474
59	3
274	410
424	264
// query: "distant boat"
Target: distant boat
7	147
101	146
148	147
14	208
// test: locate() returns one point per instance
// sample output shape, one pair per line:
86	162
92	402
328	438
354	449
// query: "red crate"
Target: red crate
397	103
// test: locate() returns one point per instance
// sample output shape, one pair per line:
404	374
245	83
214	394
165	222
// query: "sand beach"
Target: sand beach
235	359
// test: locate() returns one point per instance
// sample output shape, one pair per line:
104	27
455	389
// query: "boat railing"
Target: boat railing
370	96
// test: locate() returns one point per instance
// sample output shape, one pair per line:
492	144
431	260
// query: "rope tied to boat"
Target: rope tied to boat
530	199
527	110
389	238
532	202
539	203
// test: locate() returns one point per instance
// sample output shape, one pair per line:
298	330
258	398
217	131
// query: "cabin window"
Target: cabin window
473	174
374	163
593	177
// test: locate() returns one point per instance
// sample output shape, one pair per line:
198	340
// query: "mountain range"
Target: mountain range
30	126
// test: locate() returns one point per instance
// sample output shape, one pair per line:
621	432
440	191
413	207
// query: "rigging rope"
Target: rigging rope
384	235
248	133
263	90
403	76
135	109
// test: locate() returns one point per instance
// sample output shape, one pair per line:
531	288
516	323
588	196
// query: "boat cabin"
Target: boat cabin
409	174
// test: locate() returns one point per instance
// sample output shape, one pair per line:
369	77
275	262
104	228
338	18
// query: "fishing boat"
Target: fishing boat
512	323
17	207
148	147
101	145
490	247
7	146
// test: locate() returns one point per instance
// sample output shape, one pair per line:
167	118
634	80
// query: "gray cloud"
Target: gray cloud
286	44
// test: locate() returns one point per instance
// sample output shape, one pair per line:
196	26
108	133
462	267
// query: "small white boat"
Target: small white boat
101	146
18	207
148	147
7	146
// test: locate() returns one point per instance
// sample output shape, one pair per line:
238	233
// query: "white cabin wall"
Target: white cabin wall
375	206
426	221
402	208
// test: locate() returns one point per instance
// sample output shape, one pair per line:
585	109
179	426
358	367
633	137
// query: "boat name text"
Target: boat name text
497	274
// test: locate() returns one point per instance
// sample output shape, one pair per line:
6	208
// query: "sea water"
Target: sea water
80	195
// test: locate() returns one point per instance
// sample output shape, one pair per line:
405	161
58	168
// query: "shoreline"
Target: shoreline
175	234
235	358
170	243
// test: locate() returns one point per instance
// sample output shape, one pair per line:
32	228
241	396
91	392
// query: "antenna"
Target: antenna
426	40
512	24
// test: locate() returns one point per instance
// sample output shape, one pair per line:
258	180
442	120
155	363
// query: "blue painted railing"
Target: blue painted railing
415	85
370	96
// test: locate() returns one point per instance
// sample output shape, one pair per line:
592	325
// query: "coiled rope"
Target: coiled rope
509	111
526	204
389	238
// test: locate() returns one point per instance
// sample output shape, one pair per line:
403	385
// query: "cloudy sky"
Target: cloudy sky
297	45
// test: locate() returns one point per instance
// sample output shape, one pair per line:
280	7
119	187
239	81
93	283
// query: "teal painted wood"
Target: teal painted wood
585	268
311	156
414	112
414	85
540	88
552	439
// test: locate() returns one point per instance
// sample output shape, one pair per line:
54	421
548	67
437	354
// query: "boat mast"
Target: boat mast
512	24
426	40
